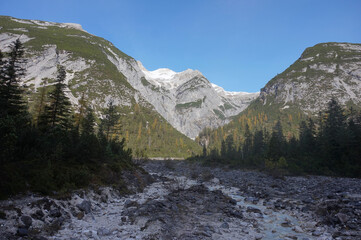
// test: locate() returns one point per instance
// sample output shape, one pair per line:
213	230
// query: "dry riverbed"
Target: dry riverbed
188	201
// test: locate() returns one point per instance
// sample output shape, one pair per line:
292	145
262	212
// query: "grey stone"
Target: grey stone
39	238
55	213
38	214
225	225
23	232
317	233
236	214
298	229
103	232
342	217
258	236
254	210
85	206
128	203
27	220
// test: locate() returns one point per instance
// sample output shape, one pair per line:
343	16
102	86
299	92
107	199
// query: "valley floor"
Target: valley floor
189	201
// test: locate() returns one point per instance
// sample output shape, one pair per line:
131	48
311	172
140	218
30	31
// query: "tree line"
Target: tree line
328	145
57	148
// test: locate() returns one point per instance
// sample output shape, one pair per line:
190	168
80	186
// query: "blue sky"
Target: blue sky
239	45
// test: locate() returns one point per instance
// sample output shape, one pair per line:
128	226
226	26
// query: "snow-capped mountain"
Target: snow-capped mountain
188	100
99	71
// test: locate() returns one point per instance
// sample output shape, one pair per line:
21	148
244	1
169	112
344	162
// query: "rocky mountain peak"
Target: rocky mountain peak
168	78
187	100
324	71
45	24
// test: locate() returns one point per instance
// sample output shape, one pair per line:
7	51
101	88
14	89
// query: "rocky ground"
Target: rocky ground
188	201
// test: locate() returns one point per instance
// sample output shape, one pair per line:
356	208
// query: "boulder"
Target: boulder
27	221
85	206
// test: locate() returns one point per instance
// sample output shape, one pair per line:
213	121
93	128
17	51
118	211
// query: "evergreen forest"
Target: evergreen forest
56	148
326	145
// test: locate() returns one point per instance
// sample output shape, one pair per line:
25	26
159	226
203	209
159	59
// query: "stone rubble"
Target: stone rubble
189	201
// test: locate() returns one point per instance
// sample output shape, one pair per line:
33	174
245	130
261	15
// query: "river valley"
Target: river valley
181	200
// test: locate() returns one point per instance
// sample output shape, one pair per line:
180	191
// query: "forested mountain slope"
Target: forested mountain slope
324	71
93	75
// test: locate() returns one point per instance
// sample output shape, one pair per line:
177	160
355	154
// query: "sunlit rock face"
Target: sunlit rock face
324	71
187	99
99	71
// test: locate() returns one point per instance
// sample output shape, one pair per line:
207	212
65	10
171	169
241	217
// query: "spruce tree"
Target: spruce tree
57	112
80	115
333	136
258	147
14	117
11	93
40	101
88	122
276	144
111	117
223	149
307	139
231	150
204	150
247	145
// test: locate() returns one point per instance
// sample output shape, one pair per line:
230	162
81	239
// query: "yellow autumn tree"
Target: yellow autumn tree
127	136
181	143
139	131
154	125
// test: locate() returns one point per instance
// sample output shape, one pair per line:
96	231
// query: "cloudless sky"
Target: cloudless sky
239	45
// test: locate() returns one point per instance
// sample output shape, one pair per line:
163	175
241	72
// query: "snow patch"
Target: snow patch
223	92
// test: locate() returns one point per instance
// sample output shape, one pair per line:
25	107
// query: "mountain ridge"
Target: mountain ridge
323	72
99	71
197	103
90	73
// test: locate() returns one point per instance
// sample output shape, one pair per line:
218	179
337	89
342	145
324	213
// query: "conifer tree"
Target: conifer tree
258	148
57	112
276	143
230	148
247	145
88	122
11	71
14	116
82	109
40	103
204	150
223	149
307	139
333	135
111	117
